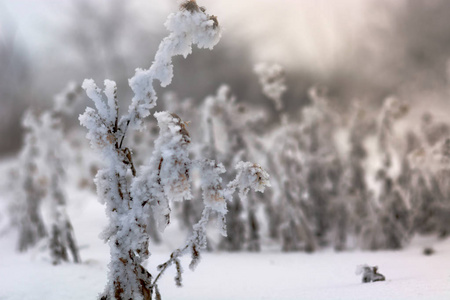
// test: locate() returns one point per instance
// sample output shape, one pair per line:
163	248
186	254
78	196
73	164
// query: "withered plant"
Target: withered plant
131	194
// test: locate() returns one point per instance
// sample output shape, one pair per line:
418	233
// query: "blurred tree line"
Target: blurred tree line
343	172
406	51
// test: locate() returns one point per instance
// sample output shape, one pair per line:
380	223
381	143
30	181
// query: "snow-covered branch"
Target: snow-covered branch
131	201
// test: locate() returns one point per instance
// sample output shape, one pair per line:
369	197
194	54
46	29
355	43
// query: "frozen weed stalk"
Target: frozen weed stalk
131	195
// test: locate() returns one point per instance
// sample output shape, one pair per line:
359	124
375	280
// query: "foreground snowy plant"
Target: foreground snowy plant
132	195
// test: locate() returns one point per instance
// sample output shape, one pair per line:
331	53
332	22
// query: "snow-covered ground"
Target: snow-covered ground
267	275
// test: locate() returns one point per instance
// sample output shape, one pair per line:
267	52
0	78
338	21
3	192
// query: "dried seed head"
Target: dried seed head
191	6
214	19
183	130
175	116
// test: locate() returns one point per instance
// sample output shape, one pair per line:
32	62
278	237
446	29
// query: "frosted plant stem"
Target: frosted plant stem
166	178
199	231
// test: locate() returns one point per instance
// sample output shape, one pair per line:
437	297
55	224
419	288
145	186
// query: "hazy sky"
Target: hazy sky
312	33
309	32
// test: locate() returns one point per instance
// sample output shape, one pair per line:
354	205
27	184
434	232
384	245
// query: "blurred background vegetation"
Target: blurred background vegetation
365	50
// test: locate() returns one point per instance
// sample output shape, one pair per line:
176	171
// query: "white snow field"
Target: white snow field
266	275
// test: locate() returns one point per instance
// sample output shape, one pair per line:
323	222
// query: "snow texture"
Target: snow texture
187	28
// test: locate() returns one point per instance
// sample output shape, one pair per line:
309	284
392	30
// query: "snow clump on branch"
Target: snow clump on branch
187	27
